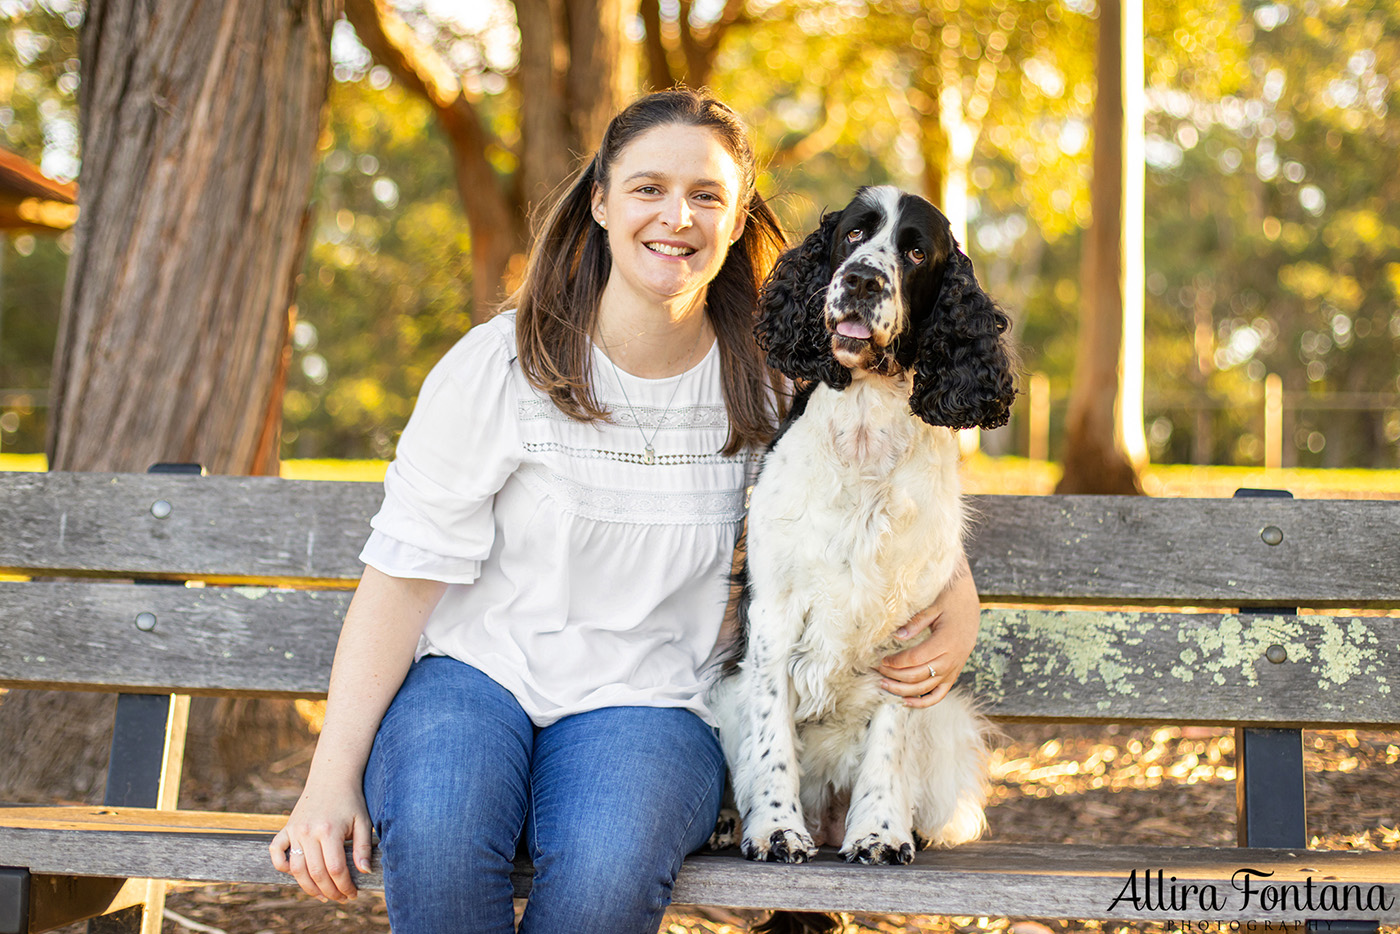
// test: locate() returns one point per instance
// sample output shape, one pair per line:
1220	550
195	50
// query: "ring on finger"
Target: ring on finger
296	852
932	672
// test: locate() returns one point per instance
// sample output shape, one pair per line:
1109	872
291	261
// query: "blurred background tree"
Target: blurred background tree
1273	238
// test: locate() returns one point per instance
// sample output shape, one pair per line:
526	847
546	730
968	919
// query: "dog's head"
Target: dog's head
882	286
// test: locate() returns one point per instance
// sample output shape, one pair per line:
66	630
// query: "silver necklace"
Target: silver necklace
650	456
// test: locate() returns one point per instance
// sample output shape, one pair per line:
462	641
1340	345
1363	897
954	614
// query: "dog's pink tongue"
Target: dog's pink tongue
853	329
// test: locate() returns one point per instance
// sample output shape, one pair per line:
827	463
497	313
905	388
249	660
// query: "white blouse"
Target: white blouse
581	575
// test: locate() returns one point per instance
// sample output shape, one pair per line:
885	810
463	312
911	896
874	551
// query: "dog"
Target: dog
855	524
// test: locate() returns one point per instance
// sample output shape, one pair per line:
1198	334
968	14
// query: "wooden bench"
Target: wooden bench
276	559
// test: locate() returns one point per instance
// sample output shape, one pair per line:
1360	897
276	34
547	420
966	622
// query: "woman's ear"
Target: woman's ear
791	327
965	370
599	214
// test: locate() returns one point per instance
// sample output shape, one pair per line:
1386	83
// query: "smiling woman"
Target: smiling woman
674	211
525	659
661	225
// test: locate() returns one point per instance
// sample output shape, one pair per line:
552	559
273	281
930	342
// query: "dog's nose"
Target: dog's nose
861	284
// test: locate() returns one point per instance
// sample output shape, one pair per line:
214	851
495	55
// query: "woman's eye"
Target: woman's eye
854	235
647	190
916	256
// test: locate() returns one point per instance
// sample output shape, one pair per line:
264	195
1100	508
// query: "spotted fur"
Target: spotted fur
855	525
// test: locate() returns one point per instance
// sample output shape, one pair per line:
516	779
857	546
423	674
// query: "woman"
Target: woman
526	655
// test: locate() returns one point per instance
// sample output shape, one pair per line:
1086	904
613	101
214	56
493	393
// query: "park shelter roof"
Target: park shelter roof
31	200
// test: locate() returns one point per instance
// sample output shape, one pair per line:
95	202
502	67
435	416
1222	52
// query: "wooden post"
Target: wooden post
1273	422
1038	444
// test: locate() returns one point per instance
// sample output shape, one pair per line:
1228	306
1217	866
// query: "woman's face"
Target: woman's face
671	209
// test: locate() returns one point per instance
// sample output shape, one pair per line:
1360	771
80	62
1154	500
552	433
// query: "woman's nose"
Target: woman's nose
677	214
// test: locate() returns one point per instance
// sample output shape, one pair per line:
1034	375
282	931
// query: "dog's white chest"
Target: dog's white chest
864	527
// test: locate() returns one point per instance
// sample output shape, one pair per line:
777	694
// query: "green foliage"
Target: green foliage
1272	206
387	281
39	82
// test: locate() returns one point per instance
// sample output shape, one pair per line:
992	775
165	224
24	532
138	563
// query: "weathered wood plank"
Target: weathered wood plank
1047	665
1068	549
1160	667
249	641
1061	549
254	528
1029	880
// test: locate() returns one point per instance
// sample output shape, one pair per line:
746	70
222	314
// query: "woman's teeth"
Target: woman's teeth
668	250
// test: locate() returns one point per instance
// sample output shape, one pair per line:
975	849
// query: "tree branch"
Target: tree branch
659	74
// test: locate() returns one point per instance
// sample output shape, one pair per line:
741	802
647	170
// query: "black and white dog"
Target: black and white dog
855	525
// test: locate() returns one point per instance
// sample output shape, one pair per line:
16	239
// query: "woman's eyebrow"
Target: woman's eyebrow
662	176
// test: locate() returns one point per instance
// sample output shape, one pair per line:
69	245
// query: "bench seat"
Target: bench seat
1018	879
1100	610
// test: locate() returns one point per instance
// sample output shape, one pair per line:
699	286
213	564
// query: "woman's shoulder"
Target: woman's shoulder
488	348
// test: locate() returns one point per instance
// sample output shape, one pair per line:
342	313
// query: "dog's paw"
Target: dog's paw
726	832
873	851
780	846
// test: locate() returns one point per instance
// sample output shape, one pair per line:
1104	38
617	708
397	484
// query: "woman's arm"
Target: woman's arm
377	642
924	673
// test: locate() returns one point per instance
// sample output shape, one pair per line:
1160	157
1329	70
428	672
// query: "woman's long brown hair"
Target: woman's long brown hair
557	303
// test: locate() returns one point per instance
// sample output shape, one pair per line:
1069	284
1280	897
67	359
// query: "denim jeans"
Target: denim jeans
609	802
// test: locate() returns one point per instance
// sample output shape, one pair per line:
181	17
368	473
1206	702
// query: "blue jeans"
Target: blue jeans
609	802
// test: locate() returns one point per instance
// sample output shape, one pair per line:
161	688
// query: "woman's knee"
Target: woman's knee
621	887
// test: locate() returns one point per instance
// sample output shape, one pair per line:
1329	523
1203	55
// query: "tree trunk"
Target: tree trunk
1099	457
199	124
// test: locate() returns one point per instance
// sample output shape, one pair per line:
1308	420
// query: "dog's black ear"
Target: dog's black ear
791	328
965	371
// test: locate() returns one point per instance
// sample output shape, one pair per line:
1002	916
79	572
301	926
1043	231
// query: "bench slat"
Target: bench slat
241	528
1069	549
1060	549
1015	879
230	641
1047	665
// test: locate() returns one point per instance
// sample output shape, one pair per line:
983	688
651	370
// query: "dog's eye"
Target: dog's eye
916	255
854	235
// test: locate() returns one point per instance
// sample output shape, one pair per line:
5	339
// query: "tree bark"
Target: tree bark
1097	455
199	122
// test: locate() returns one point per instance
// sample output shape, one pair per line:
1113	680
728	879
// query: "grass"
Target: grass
983	474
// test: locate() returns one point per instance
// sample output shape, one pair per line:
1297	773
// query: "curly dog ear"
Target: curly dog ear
964	370
791	327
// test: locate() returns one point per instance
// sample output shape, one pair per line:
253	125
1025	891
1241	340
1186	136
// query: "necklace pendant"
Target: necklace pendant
650	457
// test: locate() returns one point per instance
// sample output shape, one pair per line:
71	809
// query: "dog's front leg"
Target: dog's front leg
879	825
766	782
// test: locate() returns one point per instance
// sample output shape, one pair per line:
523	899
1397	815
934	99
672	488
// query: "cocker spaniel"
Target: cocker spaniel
856	524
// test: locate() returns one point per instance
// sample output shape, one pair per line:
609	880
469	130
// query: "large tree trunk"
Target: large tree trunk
1104	447
199	124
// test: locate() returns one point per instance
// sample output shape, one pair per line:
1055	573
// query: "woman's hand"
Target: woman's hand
376	645
924	673
312	844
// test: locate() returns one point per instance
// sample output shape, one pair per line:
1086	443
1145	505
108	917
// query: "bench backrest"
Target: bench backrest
276	559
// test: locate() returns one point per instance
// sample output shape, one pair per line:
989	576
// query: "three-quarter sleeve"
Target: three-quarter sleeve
456	452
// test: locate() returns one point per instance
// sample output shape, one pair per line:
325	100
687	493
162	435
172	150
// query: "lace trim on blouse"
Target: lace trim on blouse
645	507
